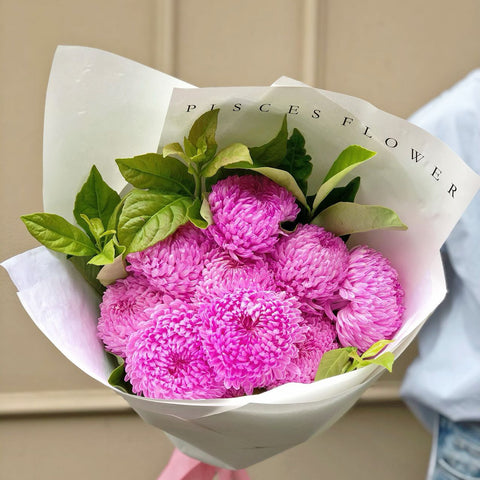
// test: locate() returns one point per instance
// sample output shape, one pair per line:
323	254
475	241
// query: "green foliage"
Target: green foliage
95	200
233	154
350	158
59	235
153	171
150	216
296	160
345	218
347	359
117	377
272	153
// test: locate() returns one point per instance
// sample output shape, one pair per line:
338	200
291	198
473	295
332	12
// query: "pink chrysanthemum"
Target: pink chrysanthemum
223	274
247	212
375	300
124	305
165	357
173	265
310	263
249	337
320	337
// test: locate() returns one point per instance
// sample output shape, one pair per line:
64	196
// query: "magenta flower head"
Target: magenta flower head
125	304
375	300
223	274
165	357
320	337
310	263
249	337
247	212
175	264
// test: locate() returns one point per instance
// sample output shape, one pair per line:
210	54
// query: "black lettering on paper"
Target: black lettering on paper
366	131
417	156
452	190
391	142
436	173
293	110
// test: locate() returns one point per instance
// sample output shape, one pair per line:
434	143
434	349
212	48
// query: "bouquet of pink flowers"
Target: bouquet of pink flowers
231	295
231	291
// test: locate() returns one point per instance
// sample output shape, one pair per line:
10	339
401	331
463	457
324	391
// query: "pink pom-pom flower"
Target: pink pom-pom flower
165	357
247	212
125	304
223	274
374	298
174	265
320	337
250	337
310	263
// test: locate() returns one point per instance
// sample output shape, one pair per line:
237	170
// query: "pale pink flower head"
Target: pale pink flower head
165	357
375	300
250	337
173	265
310	263
223	274
247	212
124	305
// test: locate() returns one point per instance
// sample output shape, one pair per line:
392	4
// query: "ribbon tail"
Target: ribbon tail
182	467
224	474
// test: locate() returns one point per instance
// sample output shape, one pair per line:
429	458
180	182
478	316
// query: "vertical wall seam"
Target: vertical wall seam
164	36
310	38
322	43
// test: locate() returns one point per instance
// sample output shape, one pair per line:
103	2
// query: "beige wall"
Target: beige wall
397	55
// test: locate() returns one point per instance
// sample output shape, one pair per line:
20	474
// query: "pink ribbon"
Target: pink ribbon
182	467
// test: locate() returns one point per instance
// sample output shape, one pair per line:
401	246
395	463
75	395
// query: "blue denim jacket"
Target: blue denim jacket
445	377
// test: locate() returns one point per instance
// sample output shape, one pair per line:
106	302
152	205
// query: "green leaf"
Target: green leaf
150	216
106	256
333	363
174	149
189	147
89	272
351	157
234	153
271	154
341	194
95	226
113	220
345	218
59	235
376	348
117	377
95	200
196	213
385	360
154	171
203	132
281	177
296	160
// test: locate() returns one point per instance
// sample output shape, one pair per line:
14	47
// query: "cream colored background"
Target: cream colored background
55	422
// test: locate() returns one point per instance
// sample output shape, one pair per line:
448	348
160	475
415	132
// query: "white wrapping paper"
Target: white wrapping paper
100	107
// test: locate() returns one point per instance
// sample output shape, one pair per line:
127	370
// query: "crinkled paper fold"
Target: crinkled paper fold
100	107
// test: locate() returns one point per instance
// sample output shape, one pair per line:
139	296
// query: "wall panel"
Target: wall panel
400	55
